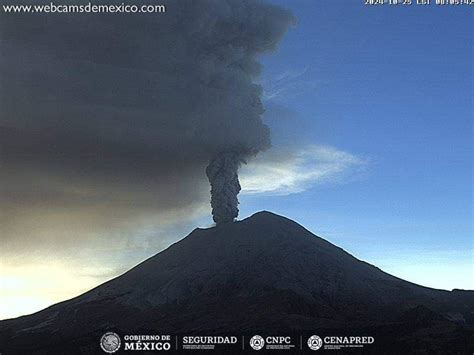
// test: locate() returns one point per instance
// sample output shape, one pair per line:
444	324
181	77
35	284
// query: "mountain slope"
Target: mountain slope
265	272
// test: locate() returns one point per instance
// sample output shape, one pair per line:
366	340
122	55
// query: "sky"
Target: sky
370	112
392	87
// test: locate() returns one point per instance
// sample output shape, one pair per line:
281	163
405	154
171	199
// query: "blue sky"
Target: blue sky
393	87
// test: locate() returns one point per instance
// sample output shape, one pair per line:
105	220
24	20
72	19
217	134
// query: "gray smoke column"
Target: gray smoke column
223	176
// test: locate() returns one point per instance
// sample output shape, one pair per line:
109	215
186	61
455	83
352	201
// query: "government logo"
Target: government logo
315	342
110	342
257	342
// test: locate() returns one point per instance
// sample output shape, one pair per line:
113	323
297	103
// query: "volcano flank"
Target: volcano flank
264	274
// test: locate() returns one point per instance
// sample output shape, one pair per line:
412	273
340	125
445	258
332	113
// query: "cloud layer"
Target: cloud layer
293	170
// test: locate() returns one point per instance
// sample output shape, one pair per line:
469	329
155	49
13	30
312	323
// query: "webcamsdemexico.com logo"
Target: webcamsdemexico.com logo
88	8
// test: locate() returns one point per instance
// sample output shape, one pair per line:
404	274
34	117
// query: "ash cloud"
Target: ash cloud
107	118
222	173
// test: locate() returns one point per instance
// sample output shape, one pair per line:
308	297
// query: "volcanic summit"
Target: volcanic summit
265	273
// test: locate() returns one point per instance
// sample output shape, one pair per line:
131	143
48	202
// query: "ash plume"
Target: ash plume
225	186
123	112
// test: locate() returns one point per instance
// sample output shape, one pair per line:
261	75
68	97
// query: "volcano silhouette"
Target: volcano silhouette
263	274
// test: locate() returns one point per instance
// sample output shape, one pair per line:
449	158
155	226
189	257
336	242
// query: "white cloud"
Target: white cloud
283	84
283	172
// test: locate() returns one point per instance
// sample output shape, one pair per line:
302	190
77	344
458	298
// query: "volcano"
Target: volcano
265	273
